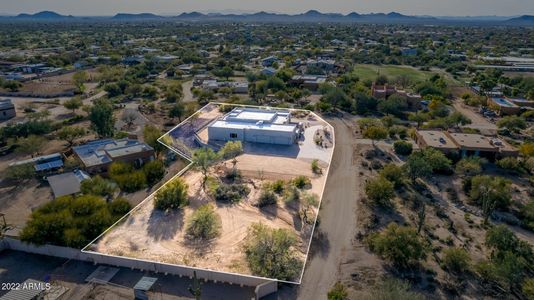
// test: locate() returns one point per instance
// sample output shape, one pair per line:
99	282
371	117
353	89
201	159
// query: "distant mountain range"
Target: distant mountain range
311	16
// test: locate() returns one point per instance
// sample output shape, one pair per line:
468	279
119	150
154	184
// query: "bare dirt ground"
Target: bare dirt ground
478	121
154	235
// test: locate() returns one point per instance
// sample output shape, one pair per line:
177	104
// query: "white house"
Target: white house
256	126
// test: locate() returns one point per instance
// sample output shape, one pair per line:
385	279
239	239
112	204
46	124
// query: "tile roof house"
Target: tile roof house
97	155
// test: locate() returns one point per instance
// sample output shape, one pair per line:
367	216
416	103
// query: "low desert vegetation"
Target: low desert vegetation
72	221
172	196
271	253
204	224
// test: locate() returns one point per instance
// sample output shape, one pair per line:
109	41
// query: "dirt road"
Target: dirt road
337	218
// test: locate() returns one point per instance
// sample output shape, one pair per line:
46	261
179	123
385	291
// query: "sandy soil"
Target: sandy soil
154	235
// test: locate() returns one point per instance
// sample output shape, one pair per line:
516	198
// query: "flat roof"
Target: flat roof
437	139
246	125
67	183
473	141
102	151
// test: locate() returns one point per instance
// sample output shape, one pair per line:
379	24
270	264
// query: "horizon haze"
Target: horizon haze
456	8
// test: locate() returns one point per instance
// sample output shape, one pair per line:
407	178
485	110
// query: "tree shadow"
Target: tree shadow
269	211
164	225
320	244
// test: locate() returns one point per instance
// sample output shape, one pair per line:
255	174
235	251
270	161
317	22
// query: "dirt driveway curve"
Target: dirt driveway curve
337	217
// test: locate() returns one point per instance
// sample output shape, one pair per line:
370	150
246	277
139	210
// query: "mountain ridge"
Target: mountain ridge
309	16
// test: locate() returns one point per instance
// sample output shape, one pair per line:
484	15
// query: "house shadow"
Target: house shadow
291	151
164	225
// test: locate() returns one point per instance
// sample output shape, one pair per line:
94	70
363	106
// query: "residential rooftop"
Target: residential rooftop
101	152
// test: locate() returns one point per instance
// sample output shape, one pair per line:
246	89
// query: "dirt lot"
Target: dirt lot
153	235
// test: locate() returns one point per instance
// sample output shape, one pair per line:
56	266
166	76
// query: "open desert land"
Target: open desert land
154	235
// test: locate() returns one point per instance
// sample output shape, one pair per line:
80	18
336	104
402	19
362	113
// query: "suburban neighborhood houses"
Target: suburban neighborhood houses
266	155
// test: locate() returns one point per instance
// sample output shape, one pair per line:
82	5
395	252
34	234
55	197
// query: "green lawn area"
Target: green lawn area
370	72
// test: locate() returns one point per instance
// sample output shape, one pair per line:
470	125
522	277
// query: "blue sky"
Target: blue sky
172	7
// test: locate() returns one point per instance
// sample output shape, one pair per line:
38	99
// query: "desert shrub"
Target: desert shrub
528	288
403	147
172	196
69	221
301	181
19	172
469	166
394	174
204	224
267	197
119	206
231	193
456	260
393	289
271	253
337	292
154	171
278	186
98	186
291	194
233	175
401	246
128	179
511	164
316	169
380	191
527	213
491	191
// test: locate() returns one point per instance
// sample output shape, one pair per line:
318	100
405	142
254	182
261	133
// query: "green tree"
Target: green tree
177	111
469	166
418	117
271	253
128	179
204	224
19	172
394	174
154	171
151	134
401	246
417	166
403	147
173	195
512	123
31	145
457	119
380	191
79	79
98	186
203	159
70	134
101	116
73	104
490	192
375	133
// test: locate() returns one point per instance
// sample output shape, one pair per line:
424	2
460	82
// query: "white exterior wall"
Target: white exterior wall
252	135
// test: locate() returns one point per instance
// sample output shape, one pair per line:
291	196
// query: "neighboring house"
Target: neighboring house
503	106
327	65
382	92
165	58
7	109
310	82
133	60
268	71
464	144
45	163
255	125
269	61
96	156
67	183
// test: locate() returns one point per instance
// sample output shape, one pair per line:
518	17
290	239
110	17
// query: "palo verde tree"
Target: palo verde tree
203	159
